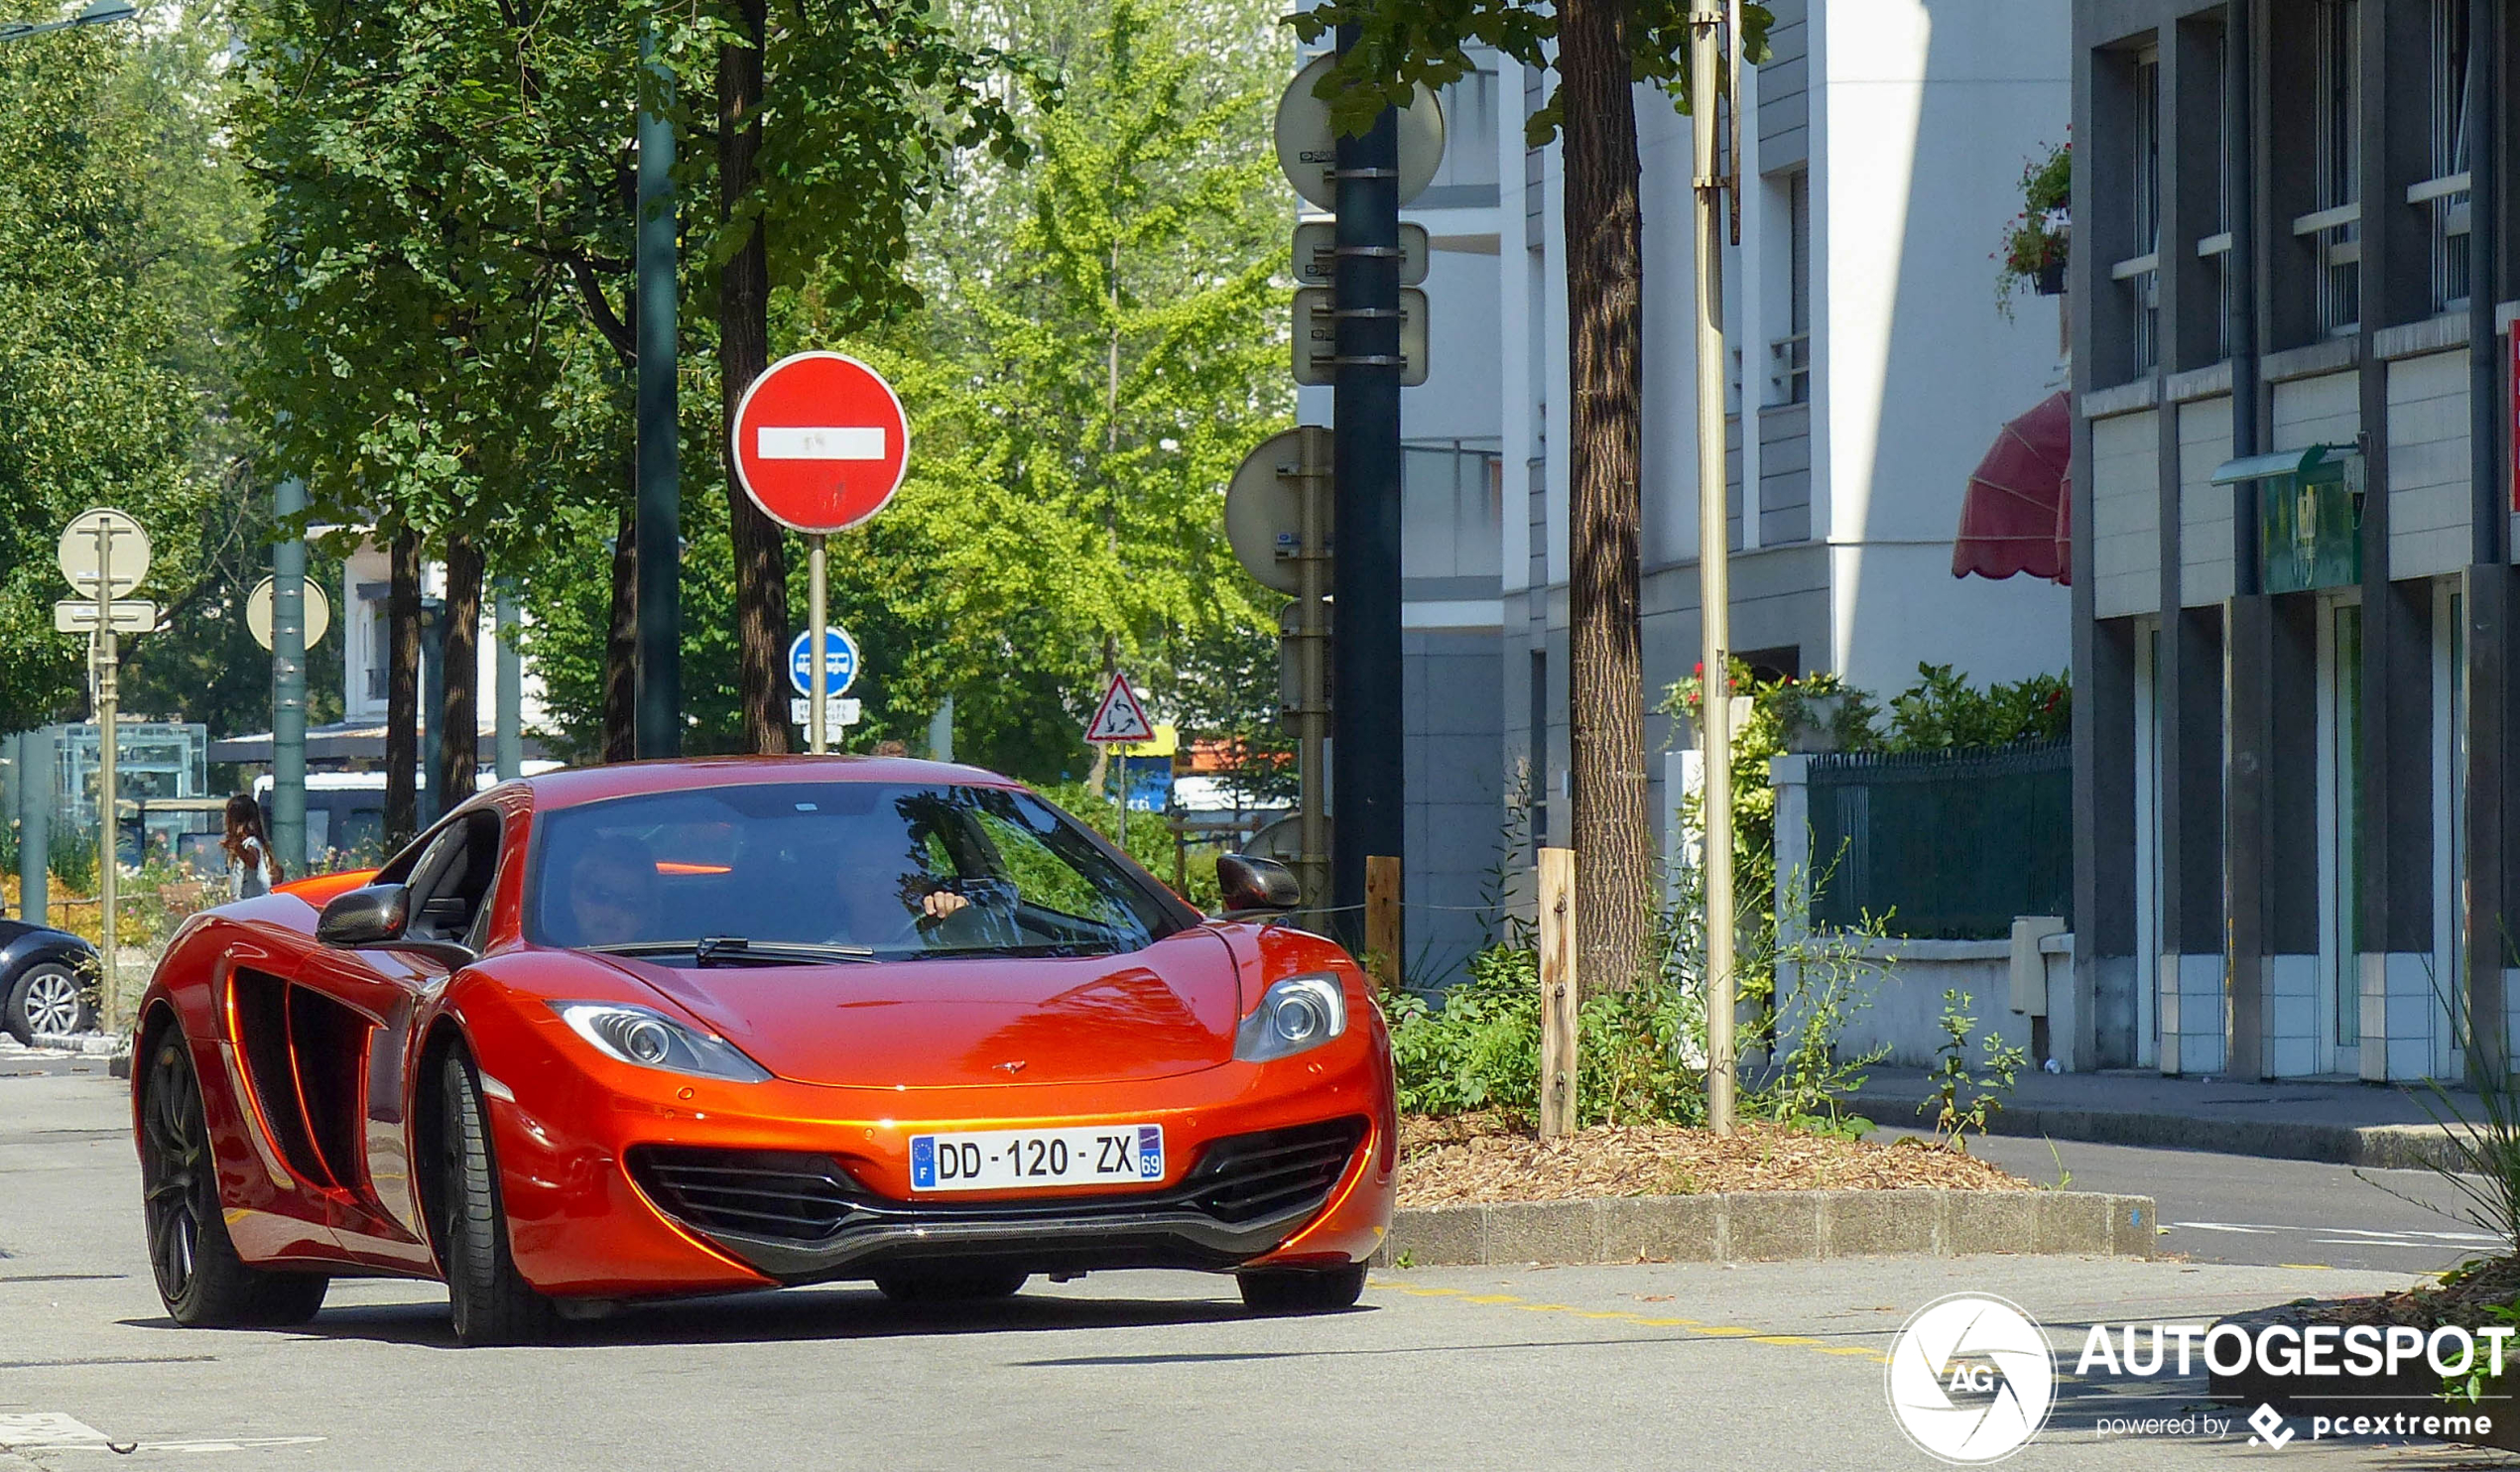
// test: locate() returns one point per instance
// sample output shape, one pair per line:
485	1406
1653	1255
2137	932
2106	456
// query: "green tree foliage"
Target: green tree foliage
117	203
1055	519
1104	341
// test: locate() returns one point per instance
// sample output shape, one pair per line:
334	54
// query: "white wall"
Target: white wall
363	644
1923	113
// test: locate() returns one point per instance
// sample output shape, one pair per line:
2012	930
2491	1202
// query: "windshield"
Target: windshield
832	870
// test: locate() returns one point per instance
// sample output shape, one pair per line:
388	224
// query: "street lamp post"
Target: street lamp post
658	661
97	12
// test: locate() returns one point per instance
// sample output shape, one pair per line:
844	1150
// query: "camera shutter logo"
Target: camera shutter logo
1964	1343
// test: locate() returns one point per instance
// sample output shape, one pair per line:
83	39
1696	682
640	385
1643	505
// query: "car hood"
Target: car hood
1169	1008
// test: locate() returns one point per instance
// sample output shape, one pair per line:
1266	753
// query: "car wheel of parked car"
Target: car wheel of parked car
492	1301
951	1284
199	1277
1304	1289
46	997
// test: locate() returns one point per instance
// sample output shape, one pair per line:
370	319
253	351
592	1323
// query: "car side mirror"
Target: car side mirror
365	917
1248	881
378	917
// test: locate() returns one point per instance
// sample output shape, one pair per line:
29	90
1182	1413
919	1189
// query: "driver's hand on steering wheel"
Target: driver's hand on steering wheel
942	903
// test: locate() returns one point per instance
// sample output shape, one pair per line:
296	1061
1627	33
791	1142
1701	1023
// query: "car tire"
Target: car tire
491	1300
1302	1290
200	1279
46	997
952	1285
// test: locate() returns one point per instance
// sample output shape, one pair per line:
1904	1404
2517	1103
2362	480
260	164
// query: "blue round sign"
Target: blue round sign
839	661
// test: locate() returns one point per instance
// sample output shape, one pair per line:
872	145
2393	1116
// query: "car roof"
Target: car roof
576	784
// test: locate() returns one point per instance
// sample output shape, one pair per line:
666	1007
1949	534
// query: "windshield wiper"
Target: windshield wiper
738	950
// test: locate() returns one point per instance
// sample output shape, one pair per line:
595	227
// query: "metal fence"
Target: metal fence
1949	845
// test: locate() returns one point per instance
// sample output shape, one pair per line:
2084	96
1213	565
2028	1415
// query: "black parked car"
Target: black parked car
47	981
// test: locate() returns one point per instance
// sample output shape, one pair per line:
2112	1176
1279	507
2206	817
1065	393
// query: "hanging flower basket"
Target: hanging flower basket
2037	241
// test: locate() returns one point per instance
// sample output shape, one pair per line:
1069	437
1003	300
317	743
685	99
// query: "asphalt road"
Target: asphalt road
1776	1365
2218	1208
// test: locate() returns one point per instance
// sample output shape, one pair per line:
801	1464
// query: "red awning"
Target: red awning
2017	516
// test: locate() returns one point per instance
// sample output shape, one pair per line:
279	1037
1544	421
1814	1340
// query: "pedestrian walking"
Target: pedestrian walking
252	868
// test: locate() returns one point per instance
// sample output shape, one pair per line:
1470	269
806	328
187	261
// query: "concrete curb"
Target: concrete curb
1773	1226
89	1045
2373	1146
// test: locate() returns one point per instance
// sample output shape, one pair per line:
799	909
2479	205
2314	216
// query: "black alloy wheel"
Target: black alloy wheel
200	1279
491	1300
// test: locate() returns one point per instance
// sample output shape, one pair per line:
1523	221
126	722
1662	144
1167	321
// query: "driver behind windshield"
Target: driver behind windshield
886	900
611	891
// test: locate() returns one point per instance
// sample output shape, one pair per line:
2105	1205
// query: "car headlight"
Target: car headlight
651	1040
1295	1015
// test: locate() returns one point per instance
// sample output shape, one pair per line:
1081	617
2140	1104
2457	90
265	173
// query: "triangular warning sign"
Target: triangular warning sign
1120	718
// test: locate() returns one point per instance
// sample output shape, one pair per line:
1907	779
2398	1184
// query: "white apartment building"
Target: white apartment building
1869	358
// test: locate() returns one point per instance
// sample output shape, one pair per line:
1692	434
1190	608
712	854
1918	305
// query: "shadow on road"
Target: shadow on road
857	1311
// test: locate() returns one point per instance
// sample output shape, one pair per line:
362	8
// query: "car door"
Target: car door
361	1006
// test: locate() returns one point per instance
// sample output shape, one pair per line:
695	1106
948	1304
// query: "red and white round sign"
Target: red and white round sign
820	442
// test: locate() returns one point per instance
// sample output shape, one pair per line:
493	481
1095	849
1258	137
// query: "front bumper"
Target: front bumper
597	1166
799	1217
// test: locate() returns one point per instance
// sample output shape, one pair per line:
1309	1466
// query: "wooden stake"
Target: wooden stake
1557	992
1382	917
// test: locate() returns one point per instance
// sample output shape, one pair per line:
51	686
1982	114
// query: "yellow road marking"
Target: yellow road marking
2305	1267
1716	1332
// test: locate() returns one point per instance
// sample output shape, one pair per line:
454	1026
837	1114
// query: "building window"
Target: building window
1790	356
2335	225
1470	130
2444	197
2141	275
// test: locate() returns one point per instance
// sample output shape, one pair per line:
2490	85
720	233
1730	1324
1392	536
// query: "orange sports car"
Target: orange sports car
693	1026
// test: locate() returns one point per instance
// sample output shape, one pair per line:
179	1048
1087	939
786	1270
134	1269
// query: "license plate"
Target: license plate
1030	1160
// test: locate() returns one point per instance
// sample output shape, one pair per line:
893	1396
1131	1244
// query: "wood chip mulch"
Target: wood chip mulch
2461	1300
1470	1158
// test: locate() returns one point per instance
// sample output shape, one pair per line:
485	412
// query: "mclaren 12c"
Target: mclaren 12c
697	1027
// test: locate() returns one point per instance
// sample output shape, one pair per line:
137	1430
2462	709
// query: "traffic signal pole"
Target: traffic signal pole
1365	705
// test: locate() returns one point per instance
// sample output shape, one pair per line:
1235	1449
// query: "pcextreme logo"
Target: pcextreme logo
1971	1379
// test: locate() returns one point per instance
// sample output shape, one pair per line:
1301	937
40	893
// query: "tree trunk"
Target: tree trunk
1615	873
621	645
402	692
743	351
459	706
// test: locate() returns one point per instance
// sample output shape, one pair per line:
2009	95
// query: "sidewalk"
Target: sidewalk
2342	1123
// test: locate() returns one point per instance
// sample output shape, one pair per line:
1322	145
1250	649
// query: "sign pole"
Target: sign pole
1714	595
108	702
289	680
818	617
1313	569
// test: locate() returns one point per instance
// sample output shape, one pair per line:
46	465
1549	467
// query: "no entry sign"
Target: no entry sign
820	442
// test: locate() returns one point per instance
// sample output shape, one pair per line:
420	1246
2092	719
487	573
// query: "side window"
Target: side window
450	884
